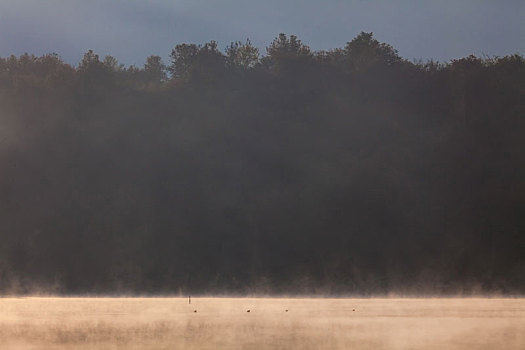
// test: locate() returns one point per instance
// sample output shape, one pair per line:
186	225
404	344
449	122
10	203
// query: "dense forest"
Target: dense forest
348	171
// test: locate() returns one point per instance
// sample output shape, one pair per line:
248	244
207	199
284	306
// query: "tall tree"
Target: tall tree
364	51
190	61
242	55
286	52
154	69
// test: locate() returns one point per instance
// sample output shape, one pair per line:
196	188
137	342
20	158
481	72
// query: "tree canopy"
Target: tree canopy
348	171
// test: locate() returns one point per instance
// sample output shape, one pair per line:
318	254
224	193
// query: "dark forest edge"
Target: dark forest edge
344	172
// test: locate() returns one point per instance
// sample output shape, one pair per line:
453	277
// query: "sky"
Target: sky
131	30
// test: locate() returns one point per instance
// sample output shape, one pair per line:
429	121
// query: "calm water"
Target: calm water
224	323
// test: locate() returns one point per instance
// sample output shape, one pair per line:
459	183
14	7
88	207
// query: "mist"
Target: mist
272	323
351	171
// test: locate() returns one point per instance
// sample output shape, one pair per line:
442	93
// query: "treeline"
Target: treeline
344	171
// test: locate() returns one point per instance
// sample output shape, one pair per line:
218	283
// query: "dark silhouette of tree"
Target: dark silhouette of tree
182	58
197	61
284	52
155	70
343	171
364	52
283	46
112	64
90	61
242	55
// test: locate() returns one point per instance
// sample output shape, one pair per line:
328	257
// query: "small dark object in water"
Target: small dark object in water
248	310
194	310
353	309
286	310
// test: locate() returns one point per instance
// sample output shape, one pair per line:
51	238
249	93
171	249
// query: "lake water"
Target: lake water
271	323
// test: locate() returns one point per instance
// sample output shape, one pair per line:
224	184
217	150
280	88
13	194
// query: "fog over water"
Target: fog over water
224	323
309	186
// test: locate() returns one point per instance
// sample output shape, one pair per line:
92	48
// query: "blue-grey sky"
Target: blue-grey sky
131	30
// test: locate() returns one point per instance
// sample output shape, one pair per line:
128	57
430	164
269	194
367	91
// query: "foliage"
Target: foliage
343	171
244	56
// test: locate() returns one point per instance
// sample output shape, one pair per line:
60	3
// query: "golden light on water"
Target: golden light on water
271	323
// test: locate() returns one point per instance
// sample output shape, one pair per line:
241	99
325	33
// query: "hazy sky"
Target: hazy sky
131	30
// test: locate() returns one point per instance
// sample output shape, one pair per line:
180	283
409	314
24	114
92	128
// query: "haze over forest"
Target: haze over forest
348	171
